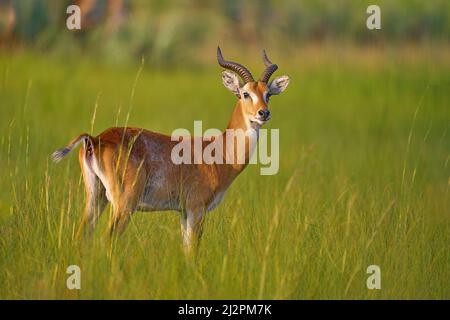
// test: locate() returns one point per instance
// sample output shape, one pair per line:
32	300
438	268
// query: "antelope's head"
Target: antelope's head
254	95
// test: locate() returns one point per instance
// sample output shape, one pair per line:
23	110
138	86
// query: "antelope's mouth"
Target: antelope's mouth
260	121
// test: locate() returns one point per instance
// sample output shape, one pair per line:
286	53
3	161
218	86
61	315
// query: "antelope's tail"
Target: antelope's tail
61	153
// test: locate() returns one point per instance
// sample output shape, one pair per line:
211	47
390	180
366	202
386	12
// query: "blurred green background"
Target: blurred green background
172	33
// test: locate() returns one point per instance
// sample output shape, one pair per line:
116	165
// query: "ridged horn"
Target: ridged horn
271	68
242	71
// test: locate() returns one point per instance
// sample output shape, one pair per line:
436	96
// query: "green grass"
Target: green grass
363	179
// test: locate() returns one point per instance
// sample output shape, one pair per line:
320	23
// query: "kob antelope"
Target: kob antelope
132	167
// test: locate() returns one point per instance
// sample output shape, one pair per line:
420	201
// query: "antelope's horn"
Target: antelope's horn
271	68
234	66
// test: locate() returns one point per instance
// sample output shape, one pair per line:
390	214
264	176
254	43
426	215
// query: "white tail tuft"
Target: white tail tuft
59	154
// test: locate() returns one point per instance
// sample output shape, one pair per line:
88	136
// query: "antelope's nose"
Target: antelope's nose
264	114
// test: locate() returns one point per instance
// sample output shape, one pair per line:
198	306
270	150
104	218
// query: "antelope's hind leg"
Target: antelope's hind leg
96	199
125	199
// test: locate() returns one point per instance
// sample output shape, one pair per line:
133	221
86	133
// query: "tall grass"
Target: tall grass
364	179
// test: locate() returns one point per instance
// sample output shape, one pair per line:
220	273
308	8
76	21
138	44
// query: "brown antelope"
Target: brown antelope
132	168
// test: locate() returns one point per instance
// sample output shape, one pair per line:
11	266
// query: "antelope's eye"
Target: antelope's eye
246	95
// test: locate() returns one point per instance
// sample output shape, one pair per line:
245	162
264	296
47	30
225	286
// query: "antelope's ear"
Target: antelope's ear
231	81
278	85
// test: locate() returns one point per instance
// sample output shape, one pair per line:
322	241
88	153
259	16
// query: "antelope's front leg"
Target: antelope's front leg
191	230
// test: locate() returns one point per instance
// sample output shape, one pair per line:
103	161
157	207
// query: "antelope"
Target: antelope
132	167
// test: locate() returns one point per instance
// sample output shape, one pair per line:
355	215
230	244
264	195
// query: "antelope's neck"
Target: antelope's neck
240	152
